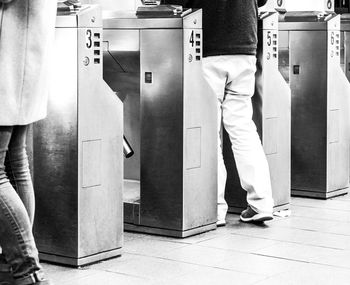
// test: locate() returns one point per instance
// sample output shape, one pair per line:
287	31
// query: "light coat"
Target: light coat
26	36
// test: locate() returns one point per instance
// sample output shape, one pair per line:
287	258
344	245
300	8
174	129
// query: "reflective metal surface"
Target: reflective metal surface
78	153
170	186
300	5
115	4
271	104
128	151
320	123
345	44
129	20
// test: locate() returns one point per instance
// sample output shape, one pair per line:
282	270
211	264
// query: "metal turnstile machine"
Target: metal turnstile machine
343	7
310	61
154	65
78	150
271	105
345	44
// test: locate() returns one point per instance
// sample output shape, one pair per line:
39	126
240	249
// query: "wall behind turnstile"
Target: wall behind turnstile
115	4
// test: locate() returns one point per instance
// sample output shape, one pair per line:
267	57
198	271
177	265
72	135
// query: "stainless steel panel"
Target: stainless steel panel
114	4
300	5
272	115
56	156
87	16
162	129
129	20
122	73
193	20
309	110
346	38
100	120
312	21
320	123
200	142
338	123
78	157
302	26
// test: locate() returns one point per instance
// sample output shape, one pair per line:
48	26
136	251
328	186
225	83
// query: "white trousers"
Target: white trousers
232	78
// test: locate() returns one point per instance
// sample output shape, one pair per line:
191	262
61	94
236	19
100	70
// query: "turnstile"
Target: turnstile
271	105
78	150
154	65
345	44
310	61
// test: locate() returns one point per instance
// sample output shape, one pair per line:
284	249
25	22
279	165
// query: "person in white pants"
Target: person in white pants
229	65
232	78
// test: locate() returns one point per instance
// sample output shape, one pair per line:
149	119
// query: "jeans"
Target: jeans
232	79
16	204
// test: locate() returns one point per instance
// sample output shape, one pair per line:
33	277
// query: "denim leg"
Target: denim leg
5	136
17	169
16	238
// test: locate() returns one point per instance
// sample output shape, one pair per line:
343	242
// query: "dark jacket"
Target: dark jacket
229	26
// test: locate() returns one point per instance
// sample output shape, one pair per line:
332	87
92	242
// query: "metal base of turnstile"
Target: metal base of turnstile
166	232
76	262
319	195
132	221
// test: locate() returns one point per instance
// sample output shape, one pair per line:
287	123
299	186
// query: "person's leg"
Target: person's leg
5	136
16	238
17	169
217	80
249	155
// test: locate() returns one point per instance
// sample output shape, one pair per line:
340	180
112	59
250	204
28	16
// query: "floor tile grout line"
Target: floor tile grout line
294	242
316	231
282	258
124	274
313	230
305	230
241	271
302	244
247	252
303	261
202	265
322	219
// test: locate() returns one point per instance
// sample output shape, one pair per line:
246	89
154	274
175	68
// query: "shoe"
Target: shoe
6	278
36	278
221	223
249	215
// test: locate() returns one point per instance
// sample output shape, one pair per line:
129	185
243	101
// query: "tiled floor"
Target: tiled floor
312	246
